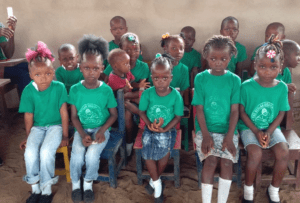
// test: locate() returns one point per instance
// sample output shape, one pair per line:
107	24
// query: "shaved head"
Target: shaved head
276	26
227	19
118	19
114	55
290	46
66	47
189	29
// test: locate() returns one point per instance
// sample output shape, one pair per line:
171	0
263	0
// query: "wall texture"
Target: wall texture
60	21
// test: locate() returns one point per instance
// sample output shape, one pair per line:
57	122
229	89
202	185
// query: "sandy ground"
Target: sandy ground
14	190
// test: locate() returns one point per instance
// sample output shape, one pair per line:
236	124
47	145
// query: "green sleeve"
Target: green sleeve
58	75
107	70
185	79
3	39
64	95
144	101
235	94
287	76
26	103
72	95
254	53
140	57
284	101
178	108
112	103
150	80
242	54
243	96
198	98
199	61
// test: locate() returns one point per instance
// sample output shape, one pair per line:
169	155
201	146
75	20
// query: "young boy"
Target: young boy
69	72
191	57
43	103
275	28
230	27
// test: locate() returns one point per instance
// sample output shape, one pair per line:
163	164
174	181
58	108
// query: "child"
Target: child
43	103
276	29
93	107
217	96
68	73
130	43
173	45
164	104
264	101
230	27
191	57
121	77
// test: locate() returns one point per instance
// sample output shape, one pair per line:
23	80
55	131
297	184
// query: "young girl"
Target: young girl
174	46
130	43
264	101
93	107
161	108
43	103
216	97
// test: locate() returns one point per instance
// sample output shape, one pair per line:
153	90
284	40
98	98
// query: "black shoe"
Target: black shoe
34	198
270	197
150	189
46	198
88	196
247	201
160	199
77	195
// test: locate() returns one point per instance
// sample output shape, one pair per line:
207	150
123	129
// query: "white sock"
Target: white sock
223	191
248	192
157	188
206	192
87	185
76	185
47	190
36	188
129	148
274	193
151	183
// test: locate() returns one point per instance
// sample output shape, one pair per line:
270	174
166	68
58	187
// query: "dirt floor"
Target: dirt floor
14	190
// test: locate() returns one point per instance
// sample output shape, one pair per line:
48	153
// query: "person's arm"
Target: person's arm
100	137
273	126
9	47
239	69
143	115
156	127
228	140
207	143
65	125
28	120
142	84
86	139
131	95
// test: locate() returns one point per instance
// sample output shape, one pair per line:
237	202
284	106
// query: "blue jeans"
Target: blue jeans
86	155
40	151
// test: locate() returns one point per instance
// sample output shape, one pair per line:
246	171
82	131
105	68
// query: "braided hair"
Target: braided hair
91	44
218	42
274	44
39	53
129	37
166	40
162	59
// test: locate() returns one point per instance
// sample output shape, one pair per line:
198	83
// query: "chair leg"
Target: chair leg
185	124
297	172
177	168
67	163
123	151
199	169
139	167
112	172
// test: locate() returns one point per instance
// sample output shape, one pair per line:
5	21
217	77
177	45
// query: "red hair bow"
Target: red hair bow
41	50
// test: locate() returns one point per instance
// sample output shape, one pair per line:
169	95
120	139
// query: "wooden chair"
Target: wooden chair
294	152
175	155
237	167
64	171
115	143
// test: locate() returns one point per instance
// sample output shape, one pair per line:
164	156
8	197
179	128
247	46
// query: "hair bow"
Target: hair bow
131	38
158	55
41	50
165	36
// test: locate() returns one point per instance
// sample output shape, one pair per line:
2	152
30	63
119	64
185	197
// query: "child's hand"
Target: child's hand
128	84
100	137
292	87
228	143
23	144
64	142
144	84
207	144
156	127
6	32
267	138
260	135
12	22
87	140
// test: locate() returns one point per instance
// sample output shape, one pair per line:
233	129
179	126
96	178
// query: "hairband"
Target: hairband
131	38
41	50
158	55
165	36
271	54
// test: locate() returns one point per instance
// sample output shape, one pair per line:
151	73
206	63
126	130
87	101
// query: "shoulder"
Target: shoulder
286	70
182	67
282	85
175	93
75	87
58	85
141	64
28	88
196	52
240	46
234	77
60	69
105	87
248	83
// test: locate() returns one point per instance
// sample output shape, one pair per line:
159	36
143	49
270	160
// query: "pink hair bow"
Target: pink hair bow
41	50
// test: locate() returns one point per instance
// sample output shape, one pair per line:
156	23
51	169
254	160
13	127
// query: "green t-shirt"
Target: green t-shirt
286	76
2	56
191	59
161	107
181	77
241	56
140	71
67	77
262	104
112	46
254	53
92	104
216	94
44	105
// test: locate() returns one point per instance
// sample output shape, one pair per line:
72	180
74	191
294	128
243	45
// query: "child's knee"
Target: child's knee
282	152
211	162
254	153
226	163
